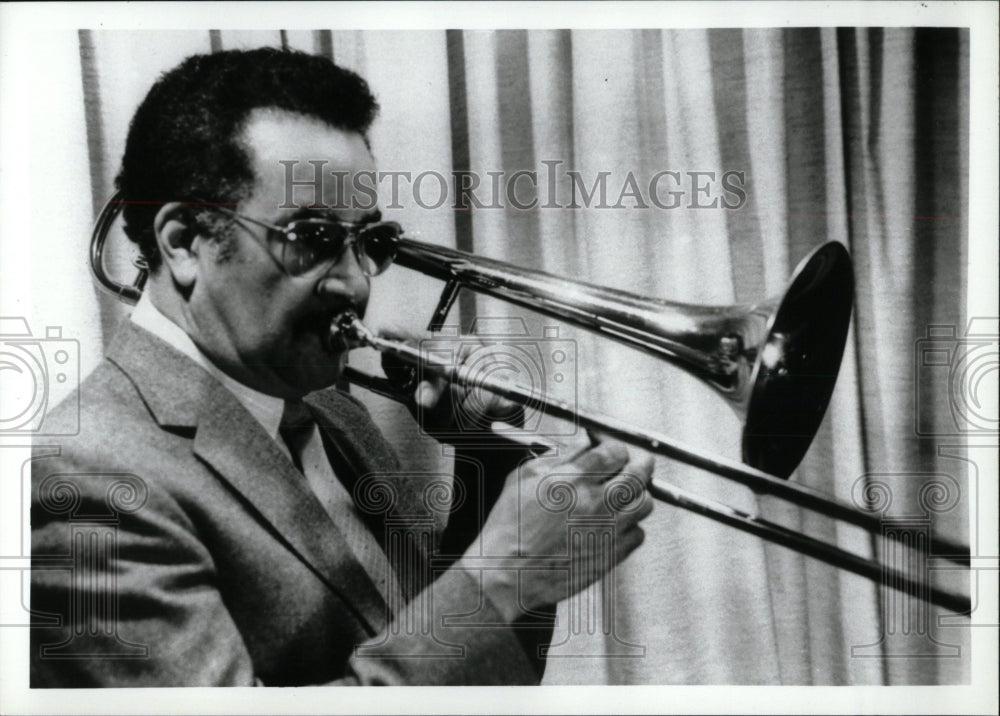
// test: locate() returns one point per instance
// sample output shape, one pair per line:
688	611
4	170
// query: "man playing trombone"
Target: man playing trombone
224	477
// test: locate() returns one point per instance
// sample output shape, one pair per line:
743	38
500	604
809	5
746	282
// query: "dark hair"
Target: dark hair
183	142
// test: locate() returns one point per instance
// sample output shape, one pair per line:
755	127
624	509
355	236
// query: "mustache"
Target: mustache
324	321
333	302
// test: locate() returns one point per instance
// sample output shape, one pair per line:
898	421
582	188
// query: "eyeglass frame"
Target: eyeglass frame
354	228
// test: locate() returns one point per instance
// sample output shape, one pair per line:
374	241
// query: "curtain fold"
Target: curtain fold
852	135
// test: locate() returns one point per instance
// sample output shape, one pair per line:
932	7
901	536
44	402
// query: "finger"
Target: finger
548	453
636	512
603	461
640	465
646	509
428	393
528	438
628	499
627	493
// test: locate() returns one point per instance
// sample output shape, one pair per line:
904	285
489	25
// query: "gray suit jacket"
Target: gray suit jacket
173	543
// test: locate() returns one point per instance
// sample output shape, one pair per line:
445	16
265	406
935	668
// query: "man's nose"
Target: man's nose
345	280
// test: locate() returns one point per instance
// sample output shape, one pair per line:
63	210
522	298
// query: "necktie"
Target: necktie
296	429
300	432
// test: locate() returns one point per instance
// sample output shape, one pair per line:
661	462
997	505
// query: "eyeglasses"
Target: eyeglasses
316	245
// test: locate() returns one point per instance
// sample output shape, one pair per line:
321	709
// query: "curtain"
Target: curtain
852	135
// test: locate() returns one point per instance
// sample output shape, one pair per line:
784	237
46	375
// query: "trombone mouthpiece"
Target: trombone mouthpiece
347	332
342	334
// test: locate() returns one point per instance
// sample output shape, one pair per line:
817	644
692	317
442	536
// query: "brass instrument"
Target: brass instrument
775	362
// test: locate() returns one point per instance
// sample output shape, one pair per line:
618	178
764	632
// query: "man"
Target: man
219	529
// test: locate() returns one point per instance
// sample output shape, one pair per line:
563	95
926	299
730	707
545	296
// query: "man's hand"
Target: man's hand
448	412
526	532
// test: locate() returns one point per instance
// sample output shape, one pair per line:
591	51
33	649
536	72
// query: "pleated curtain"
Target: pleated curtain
852	135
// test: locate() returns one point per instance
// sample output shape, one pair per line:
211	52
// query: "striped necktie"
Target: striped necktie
301	434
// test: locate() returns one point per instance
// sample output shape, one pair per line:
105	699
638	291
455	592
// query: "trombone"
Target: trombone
774	362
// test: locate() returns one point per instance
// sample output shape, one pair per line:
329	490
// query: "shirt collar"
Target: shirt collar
266	409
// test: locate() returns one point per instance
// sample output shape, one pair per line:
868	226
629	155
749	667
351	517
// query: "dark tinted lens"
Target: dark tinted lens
378	244
310	244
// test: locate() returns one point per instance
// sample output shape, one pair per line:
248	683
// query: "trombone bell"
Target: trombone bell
796	366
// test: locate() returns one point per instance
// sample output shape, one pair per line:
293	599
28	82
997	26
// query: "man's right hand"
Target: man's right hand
526	532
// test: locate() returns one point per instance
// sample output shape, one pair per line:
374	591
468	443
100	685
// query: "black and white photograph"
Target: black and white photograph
563	346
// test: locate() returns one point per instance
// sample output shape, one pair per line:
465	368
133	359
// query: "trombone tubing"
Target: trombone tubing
757	480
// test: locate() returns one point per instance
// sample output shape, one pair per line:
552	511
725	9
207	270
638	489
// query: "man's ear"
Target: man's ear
176	237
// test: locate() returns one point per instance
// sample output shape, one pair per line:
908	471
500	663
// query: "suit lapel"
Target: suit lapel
236	446
179	393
